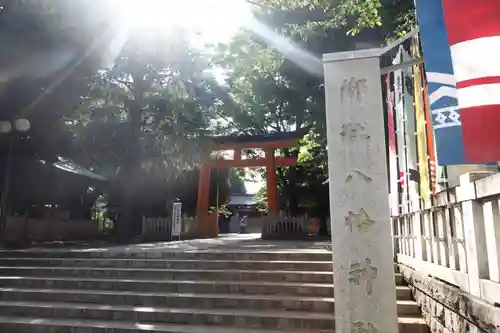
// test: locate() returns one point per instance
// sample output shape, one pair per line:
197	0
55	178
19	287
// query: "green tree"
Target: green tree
393	17
276	91
141	122
272	94
44	65
265	101
144	119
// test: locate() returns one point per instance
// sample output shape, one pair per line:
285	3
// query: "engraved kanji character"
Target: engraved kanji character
360	327
361	220
360	173
363	273
352	130
352	87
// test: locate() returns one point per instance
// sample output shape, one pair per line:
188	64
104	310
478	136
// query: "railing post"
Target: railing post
417	231
429	246
404	235
492	228
452	244
442	237
396	236
474	232
401	234
359	207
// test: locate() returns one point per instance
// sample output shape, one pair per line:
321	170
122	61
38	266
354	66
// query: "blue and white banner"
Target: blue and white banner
441	83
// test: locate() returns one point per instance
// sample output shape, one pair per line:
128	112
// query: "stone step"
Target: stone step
181	286
44	325
172	274
289	255
176	274
256	319
282	265
186	300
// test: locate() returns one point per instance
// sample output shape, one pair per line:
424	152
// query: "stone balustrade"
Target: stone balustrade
448	248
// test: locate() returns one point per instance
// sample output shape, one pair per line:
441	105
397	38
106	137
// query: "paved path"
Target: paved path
223	243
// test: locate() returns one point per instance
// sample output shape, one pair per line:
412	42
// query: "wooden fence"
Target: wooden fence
157	227
160	228
24	229
287	227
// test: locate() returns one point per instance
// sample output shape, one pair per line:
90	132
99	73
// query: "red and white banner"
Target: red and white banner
473	29
393	155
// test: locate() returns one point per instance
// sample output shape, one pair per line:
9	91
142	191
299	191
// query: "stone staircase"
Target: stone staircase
175	291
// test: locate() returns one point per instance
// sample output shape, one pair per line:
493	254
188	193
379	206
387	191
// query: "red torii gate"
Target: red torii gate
269	143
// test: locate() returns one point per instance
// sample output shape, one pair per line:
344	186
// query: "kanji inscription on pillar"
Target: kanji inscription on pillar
361	220
363	273
357	140
354	134
353	89
359	173
360	327
353	131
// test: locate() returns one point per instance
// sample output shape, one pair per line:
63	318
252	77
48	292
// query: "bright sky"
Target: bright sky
254	187
214	20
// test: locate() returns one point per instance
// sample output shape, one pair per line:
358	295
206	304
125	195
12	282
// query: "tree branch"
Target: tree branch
128	84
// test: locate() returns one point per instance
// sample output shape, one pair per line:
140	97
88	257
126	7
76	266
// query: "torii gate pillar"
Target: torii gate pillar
272	183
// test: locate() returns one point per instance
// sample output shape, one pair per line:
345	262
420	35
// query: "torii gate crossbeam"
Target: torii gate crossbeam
268	143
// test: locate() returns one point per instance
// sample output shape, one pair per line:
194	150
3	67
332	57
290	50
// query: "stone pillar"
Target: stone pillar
272	183
365	292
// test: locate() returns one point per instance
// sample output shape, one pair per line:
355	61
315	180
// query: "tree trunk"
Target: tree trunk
124	223
293	200
128	213
293	196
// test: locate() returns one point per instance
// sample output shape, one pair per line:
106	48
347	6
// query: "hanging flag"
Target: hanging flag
400	130
418	98
419	78
474	36
411	139
441	82
433	165
393	159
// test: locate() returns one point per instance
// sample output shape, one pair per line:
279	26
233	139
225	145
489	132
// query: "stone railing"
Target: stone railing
448	248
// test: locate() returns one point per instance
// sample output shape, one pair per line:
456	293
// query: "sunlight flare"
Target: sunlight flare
211	21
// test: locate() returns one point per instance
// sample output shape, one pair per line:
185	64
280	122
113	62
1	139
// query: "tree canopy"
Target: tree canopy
139	107
274	90
319	17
